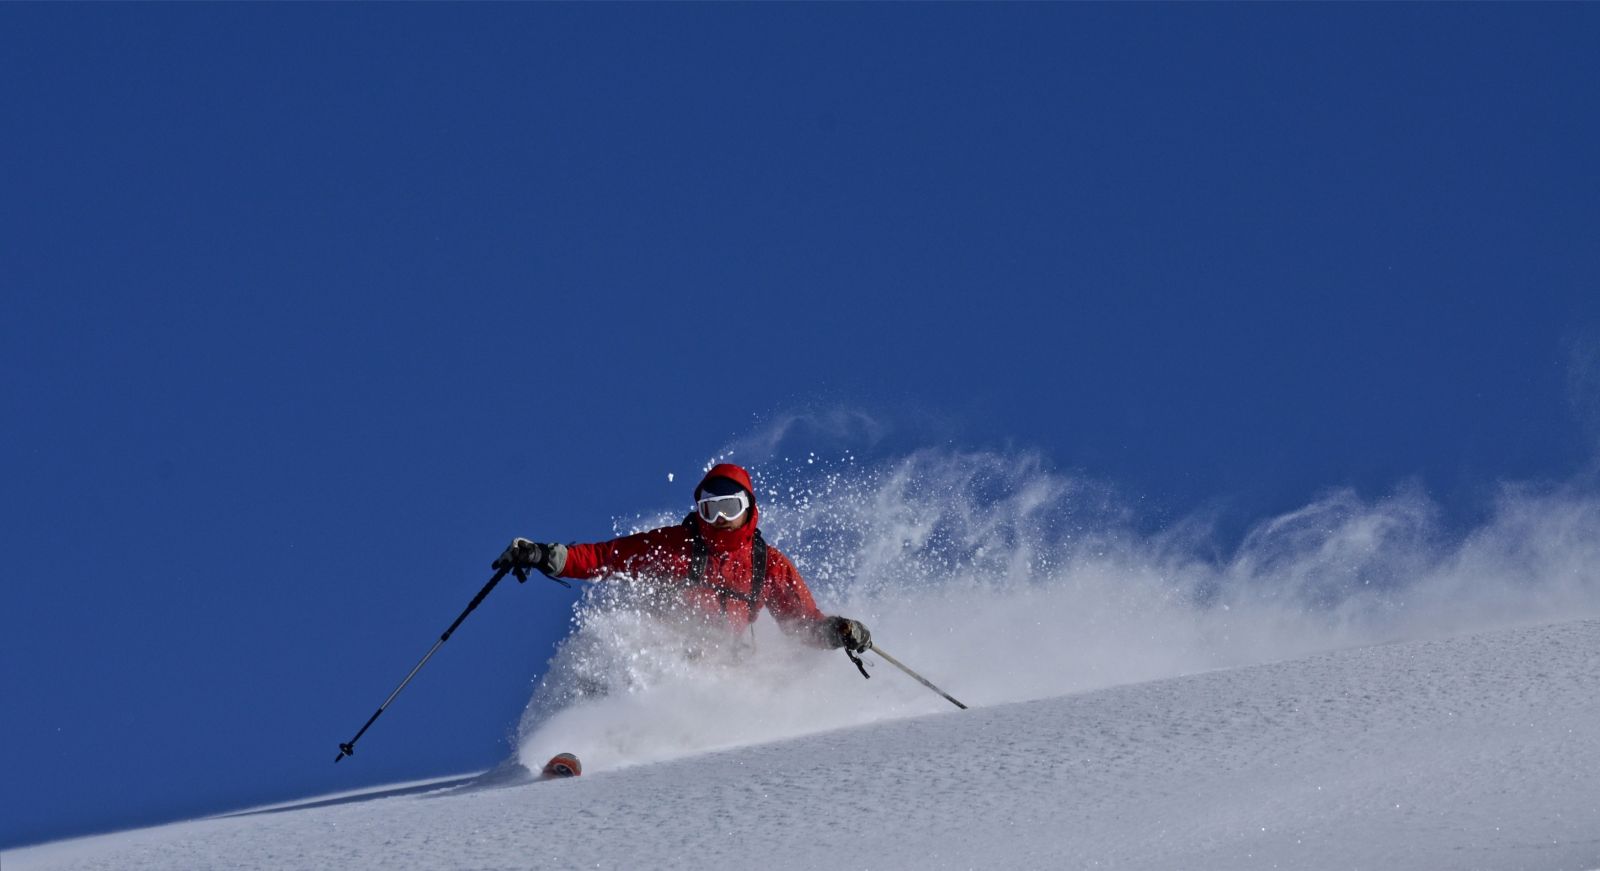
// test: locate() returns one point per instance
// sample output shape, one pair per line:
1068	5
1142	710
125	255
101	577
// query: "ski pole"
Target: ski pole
902	666
348	748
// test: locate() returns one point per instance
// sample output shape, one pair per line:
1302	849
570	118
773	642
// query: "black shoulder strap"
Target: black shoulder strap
758	570
697	552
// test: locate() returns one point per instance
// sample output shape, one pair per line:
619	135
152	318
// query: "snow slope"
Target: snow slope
1480	751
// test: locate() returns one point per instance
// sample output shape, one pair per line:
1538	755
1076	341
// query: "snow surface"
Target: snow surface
1478	751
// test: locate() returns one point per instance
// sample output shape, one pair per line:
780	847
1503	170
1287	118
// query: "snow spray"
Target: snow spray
1007	581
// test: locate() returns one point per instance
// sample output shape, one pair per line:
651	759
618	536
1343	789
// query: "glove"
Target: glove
525	554
852	635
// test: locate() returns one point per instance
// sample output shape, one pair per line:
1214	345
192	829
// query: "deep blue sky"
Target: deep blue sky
308	309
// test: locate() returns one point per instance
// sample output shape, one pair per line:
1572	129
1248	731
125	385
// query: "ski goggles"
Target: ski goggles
714	508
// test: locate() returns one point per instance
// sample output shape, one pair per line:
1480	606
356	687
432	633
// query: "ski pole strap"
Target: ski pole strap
522	577
553	578
857	660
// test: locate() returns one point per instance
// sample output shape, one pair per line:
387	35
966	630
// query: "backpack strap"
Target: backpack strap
699	553
758	571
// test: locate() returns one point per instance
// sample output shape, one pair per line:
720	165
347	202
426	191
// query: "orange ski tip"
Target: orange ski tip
564	765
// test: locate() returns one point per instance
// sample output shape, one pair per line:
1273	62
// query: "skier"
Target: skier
715	563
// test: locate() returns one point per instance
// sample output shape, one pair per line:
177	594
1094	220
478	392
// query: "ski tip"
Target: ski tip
563	765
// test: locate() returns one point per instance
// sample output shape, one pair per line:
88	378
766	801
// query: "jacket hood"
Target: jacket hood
733	473
739	476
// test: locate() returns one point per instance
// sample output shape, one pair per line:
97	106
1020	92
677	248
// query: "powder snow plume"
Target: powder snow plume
1001	580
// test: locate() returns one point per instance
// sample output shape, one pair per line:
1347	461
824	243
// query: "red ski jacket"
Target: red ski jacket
665	556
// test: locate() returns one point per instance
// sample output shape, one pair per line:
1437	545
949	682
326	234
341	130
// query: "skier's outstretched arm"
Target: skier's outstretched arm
796	611
583	561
